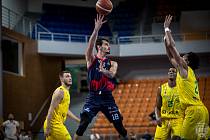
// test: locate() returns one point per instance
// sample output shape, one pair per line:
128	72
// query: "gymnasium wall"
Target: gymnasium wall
26	94
201	21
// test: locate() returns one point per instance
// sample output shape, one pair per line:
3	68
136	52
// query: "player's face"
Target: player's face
185	58
105	47
67	79
11	117
172	73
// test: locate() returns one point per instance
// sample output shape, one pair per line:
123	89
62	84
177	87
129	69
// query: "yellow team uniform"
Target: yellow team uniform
171	114
195	124
208	133
58	129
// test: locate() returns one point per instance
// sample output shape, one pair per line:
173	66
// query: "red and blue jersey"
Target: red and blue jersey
98	82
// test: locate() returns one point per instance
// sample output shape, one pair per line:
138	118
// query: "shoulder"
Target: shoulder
164	84
59	92
191	73
113	63
17	123
189	69
5	122
163	87
90	64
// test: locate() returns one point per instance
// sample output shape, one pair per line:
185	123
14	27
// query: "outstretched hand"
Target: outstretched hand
167	21
99	21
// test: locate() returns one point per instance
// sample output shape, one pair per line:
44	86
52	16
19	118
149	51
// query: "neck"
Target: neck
101	54
171	83
66	87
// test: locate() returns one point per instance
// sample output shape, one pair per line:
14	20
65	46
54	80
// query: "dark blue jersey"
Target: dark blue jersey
97	80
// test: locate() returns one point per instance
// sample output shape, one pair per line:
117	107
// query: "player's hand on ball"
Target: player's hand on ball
99	21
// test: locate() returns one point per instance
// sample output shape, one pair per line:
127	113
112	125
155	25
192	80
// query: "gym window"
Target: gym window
12	55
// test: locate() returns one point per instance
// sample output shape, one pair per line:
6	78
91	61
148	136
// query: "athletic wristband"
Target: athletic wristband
167	30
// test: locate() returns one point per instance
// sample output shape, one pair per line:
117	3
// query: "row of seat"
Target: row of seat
71	20
136	102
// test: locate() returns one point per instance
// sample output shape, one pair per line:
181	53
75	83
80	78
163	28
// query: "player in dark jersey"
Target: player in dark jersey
101	73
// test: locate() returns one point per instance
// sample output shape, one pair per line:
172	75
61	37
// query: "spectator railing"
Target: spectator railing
122	40
16	22
24	25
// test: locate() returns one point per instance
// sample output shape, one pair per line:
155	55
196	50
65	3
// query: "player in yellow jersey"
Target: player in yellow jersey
54	128
168	110
196	120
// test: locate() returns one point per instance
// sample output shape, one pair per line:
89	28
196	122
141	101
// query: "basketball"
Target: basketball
104	7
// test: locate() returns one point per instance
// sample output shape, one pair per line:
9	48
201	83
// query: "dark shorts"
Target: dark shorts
103	102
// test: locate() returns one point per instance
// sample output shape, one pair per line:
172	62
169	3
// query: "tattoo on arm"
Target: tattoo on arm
110	73
56	99
107	73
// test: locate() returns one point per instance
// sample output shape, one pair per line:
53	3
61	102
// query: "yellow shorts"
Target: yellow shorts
195	124
169	128
58	132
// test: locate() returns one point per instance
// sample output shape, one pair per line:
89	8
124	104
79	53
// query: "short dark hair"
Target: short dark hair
62	72
99	42
194	61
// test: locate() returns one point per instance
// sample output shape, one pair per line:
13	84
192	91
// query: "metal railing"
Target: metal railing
9	18
40	111
122	40
21	24
16	22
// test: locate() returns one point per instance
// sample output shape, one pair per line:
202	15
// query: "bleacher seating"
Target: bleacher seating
163	8
125	18
71	20
174	8
136	99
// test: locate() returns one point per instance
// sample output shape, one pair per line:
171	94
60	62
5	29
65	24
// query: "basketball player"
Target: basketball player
54	128
101	73
196	120
168	110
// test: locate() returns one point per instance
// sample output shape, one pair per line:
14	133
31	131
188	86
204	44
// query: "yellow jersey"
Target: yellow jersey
171	107
188	89
60	112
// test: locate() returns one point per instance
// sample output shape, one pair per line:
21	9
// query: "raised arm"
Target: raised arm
56	99
172	52
89	51
109	73
71	115
170	56
158	107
